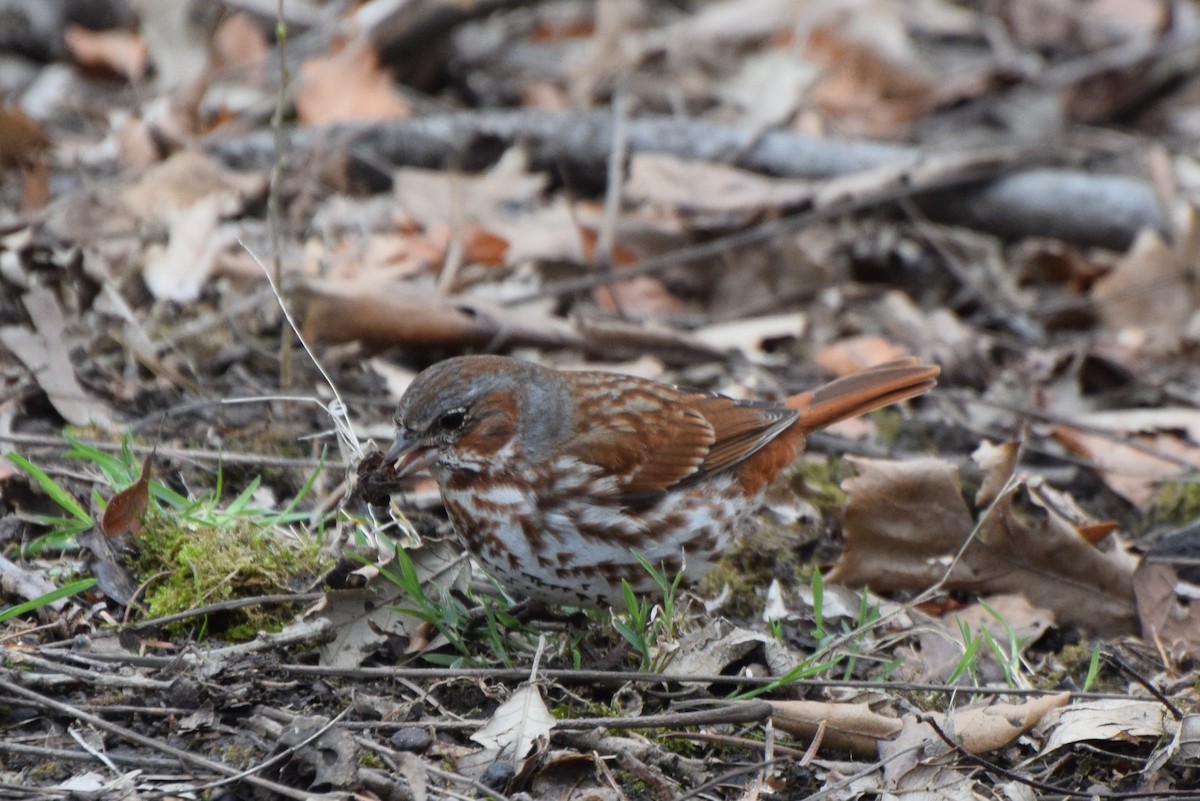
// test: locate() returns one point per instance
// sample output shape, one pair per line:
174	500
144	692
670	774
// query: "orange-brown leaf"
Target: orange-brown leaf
127	508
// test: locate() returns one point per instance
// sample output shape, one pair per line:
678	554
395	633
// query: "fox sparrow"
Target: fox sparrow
552	479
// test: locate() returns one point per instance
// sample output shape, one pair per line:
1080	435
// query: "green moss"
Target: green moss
888	424
1178	501
818	481
50	770
190	564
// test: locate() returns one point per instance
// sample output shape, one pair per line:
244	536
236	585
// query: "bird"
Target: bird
555	481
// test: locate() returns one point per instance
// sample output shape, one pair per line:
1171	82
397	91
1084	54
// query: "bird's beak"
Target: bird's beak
409	455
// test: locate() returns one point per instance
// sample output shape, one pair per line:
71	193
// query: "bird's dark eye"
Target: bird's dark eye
452	421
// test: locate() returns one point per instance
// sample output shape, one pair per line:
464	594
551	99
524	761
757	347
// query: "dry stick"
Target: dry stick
457	778
135	760
1067	204
1048	417
607	239
273	195
282	755
149	742
902	187
195	454
1128	670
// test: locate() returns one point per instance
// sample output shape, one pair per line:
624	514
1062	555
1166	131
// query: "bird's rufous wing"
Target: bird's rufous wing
653	437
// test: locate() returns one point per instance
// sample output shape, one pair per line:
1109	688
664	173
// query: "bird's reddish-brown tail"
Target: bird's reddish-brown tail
861	392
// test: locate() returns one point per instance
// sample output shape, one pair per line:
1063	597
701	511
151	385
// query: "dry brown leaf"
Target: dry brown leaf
750	335
127	508
238	43
120	52
22	139
1144	448
385	314
1167	608
1149	297
1107	720
851	728
701	188
179	271
871	91
46	354
988	728
187	178
1020	625
853	354
348	86
905	521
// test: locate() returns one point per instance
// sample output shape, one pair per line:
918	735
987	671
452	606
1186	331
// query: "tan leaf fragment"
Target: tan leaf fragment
703	188
1168	608
1107	720
905	521
1145	447
120	52
46	353
179	271
853	354
851	728
187	178
911	761
1020	625
517	724
712	649
1149	297
987	728
365	618
348	86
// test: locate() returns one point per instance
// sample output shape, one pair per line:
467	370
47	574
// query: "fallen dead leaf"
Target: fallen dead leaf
46	354
851	728
120	52
905	521
1145	447
347	86
179	271
1106	720
127	508
1167	607
853	354
386	314
187	178
1149	297
517	724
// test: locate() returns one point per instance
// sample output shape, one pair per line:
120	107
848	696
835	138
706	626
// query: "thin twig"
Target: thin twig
157	745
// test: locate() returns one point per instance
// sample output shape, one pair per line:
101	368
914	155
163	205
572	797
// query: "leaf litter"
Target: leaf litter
775	232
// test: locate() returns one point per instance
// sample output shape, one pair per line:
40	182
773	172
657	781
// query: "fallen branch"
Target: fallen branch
1085	209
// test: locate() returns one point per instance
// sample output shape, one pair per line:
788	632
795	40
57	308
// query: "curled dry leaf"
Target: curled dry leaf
851	728
905	521
1107	720
386	314
982	729
120	52
126	510
853	354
